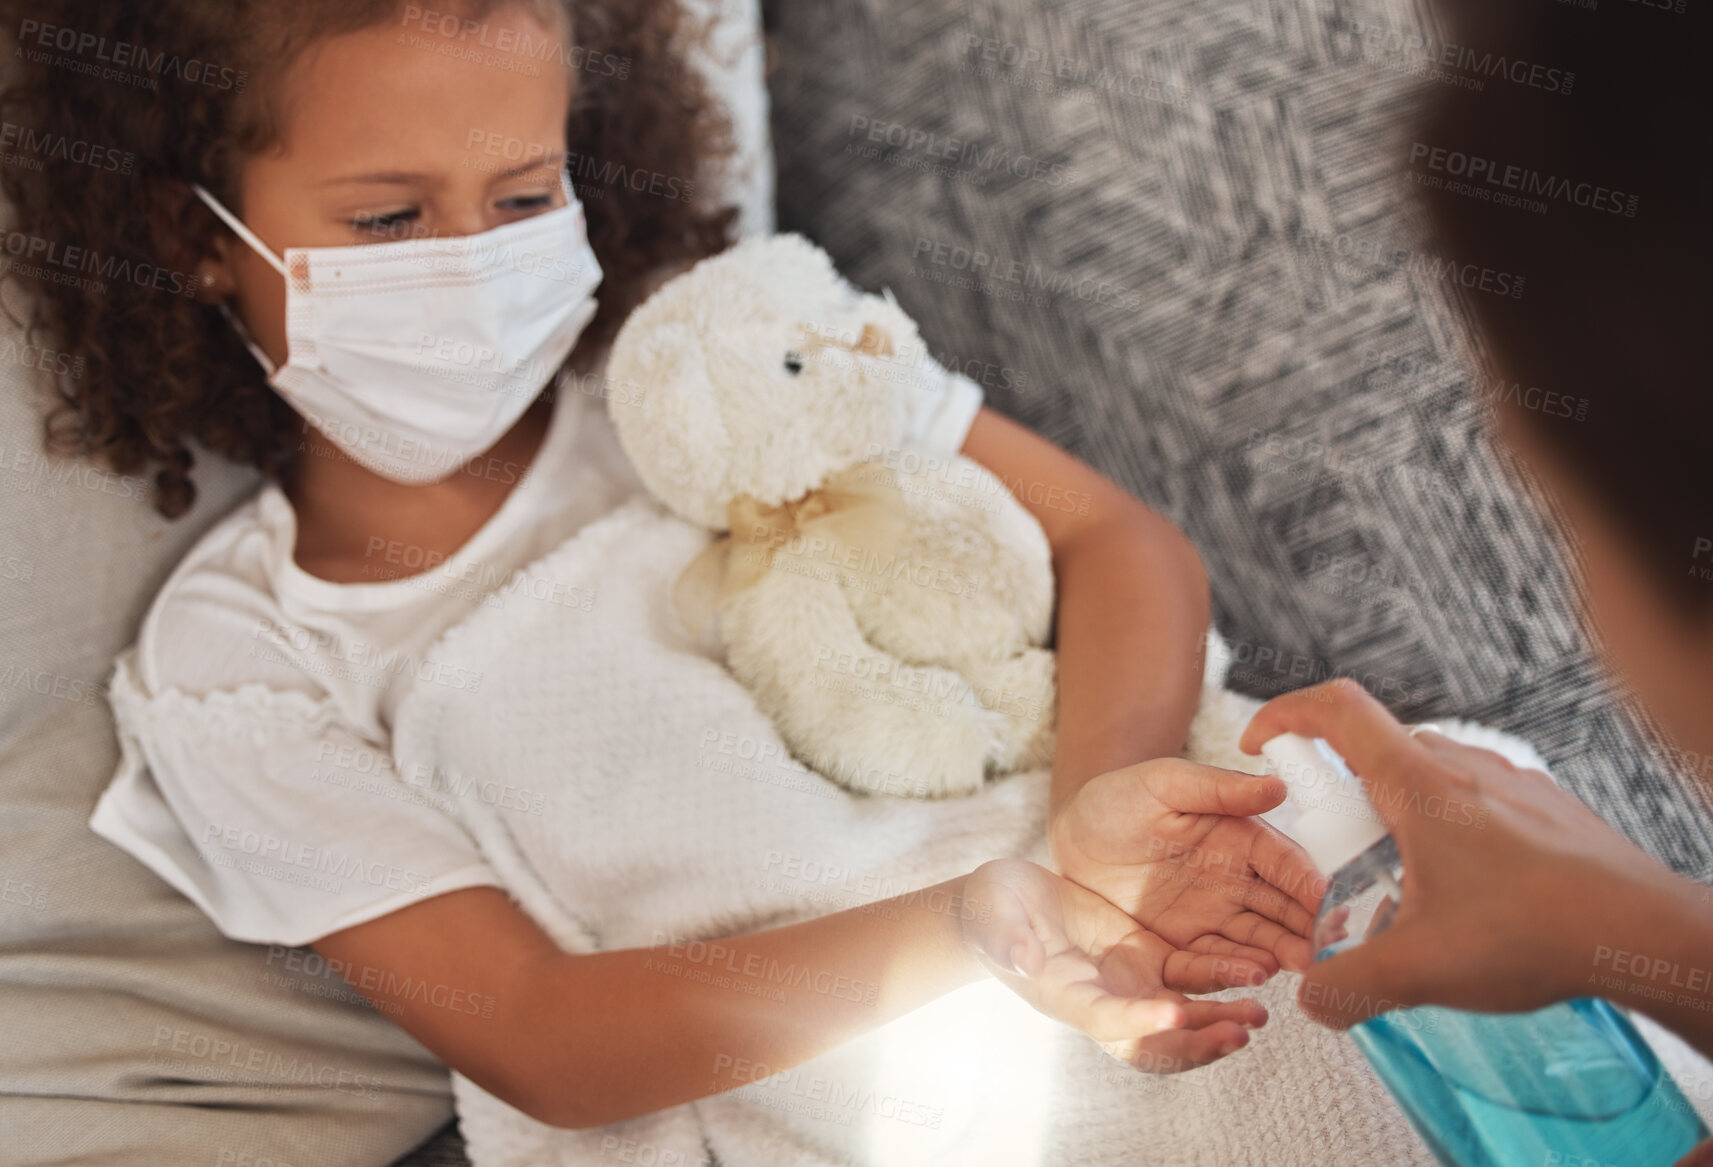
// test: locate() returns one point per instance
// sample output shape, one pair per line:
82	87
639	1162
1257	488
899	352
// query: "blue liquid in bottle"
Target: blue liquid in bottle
1573	1084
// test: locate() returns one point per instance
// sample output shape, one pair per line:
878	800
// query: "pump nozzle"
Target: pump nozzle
1337	823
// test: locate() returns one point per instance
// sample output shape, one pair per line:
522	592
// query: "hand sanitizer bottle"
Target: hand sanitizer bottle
1572	1085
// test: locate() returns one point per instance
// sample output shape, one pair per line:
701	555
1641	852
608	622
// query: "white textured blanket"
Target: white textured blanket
676	814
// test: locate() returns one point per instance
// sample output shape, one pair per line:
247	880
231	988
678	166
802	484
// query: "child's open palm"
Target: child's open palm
1174	844
1080	960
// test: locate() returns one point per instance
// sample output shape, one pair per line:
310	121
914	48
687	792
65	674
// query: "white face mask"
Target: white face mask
414	356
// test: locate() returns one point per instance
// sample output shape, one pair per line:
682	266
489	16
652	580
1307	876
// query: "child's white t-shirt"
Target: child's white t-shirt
254	710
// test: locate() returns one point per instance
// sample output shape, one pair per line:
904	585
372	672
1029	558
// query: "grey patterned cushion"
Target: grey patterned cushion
1178	240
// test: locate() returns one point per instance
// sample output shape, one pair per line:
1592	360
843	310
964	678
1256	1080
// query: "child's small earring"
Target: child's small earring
211	289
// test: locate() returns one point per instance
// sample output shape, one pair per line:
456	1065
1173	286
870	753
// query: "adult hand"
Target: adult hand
1513	888
1081	961
1174	844
1701	1156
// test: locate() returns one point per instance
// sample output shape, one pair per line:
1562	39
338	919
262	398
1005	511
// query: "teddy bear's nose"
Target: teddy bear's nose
793	364
875	341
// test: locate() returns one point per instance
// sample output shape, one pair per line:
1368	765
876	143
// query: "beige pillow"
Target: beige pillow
113	987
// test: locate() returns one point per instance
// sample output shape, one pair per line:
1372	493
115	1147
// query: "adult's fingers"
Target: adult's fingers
1469	759
1700	1156
1354	986
1361	730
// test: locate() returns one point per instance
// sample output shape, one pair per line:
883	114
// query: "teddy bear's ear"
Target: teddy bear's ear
676	437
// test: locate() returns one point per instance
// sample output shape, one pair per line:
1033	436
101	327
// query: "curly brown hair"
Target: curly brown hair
129	103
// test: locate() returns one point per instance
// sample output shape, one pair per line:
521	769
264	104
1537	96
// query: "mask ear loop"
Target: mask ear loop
238	228
249	237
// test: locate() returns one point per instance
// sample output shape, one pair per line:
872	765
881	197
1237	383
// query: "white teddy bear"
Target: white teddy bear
887	607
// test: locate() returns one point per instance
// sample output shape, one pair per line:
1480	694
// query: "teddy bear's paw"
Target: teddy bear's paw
931	763
916	731
1037	752
958	780
1022	689
952	749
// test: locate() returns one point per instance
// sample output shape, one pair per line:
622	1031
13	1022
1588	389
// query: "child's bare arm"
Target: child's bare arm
1129	819
586	1040
1132	607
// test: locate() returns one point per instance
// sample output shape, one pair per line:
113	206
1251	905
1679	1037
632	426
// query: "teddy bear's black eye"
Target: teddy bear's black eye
793	364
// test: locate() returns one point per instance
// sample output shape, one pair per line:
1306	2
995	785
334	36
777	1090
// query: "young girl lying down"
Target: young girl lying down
631	909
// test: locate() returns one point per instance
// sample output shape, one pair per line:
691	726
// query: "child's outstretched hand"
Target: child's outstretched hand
1174	843
1082	961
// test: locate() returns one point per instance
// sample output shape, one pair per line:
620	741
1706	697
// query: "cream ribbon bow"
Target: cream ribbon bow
859	511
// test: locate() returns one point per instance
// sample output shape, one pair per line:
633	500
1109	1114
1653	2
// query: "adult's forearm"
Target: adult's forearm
1655	955
615	1035
1132	621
